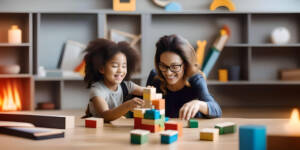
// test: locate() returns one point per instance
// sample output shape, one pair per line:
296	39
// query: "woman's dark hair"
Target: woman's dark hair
180	46
100	51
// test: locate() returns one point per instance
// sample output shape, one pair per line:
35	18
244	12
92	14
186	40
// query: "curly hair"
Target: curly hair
180	46
100	51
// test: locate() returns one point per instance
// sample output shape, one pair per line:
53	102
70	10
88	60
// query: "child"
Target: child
107	65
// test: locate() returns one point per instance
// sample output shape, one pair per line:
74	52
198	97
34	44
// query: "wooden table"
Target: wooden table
117	136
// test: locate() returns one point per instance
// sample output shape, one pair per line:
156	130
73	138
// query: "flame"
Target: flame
9	95
295	117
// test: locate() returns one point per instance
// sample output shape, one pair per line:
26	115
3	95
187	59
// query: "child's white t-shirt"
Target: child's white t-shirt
112	98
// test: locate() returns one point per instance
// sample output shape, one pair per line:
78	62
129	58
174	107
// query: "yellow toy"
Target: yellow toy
218	3
200	51
119	5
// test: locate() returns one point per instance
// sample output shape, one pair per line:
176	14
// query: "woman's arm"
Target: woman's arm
204	106
111	114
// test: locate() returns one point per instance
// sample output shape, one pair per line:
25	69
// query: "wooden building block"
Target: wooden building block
152	114
226	127
120	5
139	136
151	128
137	123
283	142
223	75
159	104
290	74
46	121
139	112
152	122
209	134
193	123
252	137
168	137
158	96
174	126
94	122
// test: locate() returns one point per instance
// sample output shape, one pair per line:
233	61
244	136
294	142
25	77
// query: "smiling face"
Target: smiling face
172	68
115	70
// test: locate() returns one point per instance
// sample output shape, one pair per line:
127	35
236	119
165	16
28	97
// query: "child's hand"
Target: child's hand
134	103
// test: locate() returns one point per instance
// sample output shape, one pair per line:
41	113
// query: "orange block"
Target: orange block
174	126
159	104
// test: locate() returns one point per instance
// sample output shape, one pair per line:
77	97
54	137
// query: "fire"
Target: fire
295	117
9	95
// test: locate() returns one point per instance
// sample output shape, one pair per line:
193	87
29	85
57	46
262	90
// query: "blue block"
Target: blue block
173	6
166	119
168	139
252	137
152	114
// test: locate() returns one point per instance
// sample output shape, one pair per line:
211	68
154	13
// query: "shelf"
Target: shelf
215	82
15	45
274	45
37	78
15	76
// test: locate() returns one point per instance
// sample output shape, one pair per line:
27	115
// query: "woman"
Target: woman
178	77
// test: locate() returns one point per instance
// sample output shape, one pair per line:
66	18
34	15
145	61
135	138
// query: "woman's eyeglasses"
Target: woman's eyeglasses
173	68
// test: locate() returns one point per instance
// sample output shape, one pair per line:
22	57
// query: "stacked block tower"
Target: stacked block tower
152	116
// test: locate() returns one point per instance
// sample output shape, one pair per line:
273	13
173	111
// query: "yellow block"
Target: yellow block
139	112
124	6
226	3
209	134
223	75
149	97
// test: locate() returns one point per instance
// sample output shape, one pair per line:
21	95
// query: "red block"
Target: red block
94	122
137	123
151	128
174	126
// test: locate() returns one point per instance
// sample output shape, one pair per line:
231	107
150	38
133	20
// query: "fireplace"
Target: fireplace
15	94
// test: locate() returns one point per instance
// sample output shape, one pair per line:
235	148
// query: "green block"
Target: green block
193	123
138	139
129	114
227	129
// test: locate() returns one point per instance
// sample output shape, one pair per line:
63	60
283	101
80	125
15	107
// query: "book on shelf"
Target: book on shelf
28	130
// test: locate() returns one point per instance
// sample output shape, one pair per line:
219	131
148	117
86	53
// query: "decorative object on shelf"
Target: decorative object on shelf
173	6
14	35
10	69
124	5
168	5
161	3
223	75
280	35
234	73
290	74
118	36
72	55
225	3
41	71
200	51
215	50
81	68
46	106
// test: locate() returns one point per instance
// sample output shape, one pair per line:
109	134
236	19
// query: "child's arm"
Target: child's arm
111	114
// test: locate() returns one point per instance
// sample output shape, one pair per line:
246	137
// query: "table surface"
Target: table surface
116	135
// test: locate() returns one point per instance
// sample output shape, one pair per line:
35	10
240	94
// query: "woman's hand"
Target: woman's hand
134	103
190	109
